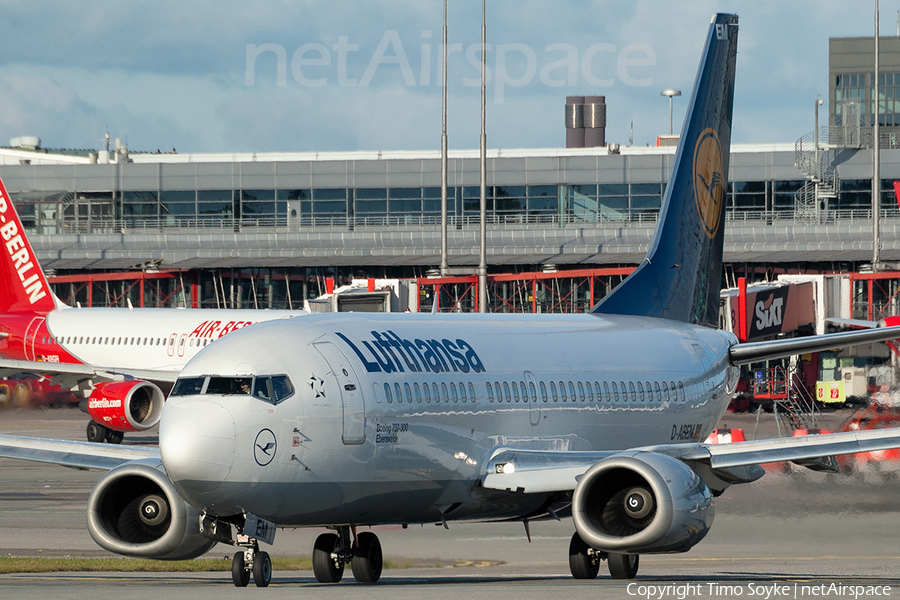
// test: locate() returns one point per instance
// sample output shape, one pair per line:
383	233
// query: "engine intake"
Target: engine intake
132	405
135	511
642	502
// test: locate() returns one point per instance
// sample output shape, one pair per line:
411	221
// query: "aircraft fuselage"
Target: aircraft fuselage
393	417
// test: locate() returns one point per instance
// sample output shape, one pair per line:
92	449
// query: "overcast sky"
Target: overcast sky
229	76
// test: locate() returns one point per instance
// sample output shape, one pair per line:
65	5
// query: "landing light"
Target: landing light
505	468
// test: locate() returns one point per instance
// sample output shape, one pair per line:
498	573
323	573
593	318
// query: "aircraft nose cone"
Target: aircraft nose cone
196	442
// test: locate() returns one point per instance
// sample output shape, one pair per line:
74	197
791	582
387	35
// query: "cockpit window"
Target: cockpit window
273	389
229	385
188	386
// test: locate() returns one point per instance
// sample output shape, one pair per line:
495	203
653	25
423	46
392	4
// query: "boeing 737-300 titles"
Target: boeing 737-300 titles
351	420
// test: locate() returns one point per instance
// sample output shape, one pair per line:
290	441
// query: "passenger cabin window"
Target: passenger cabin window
490	392
543	387
515	391
387	393
471	392
427	393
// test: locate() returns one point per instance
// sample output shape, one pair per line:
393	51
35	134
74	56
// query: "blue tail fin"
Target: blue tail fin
681	275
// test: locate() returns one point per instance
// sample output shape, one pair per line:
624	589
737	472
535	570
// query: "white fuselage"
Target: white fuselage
147	339
360	440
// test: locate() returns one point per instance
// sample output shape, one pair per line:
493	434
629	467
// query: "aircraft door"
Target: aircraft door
31	333
353	405
534	406
293	214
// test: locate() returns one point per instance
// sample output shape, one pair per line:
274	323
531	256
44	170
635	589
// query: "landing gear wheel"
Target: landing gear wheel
115	437
623	566
262	569
239	573
367	559
96	432
324	567
584	563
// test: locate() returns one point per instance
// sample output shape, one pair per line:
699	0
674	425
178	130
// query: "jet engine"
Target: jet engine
642	502
132	405
135	511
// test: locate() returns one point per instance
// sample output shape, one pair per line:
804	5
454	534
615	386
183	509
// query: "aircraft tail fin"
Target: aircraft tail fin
23	286
681	276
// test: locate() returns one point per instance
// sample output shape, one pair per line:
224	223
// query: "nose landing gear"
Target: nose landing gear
332	552
251	561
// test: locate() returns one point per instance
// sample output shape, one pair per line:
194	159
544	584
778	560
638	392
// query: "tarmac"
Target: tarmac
794	533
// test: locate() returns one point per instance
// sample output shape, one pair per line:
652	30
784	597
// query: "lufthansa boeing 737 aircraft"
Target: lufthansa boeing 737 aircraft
351	420
121	360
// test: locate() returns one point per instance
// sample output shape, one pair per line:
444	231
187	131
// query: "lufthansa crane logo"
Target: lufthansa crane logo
264	447
709	181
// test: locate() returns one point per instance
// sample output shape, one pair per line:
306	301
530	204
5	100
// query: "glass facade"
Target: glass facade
854	98
415	206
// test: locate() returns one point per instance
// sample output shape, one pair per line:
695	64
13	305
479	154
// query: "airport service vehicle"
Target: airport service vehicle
352	420
121	361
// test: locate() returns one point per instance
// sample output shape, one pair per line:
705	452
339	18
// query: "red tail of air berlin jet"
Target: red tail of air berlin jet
120	360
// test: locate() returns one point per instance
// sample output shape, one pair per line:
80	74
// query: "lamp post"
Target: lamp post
671	94
876	161
816	170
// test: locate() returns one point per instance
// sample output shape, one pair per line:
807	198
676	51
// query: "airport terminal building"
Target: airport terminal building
378	214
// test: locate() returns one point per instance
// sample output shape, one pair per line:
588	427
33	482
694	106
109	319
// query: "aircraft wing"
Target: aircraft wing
743	354
9	367
80	455
536	471
82	371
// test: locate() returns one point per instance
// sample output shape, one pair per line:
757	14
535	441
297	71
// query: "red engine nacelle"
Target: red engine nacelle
126	405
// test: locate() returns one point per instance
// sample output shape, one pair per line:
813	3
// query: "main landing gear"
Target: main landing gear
584	561
334	550
251	561
100	433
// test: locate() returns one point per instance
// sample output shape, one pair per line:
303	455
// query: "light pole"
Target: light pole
876	162
671	94
817	171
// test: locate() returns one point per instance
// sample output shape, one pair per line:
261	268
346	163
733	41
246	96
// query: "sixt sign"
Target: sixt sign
769	312
387	352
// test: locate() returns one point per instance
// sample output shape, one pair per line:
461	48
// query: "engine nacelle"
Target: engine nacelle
642	502
132	405
135	511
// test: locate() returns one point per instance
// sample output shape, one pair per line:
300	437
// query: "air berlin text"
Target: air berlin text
19	254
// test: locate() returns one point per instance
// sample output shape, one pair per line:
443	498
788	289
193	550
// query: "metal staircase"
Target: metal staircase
815	155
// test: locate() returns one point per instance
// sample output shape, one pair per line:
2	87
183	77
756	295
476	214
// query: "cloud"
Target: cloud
174	74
